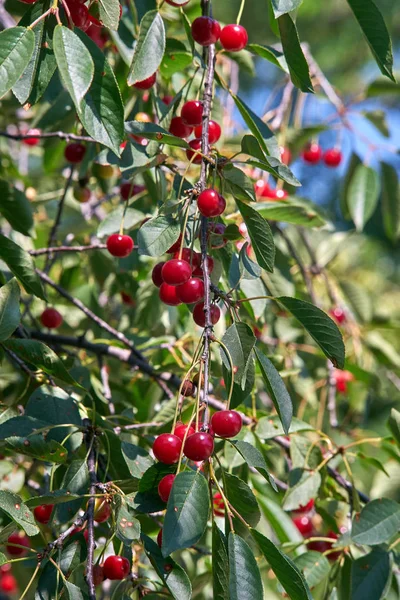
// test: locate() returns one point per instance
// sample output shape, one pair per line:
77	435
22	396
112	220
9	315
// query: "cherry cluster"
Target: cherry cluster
313	154
303	520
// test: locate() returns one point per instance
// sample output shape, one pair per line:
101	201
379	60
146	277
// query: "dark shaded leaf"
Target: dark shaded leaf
362	195
21	265
220	565
260	235
244	576
242	499
239	339
10	315
370	575
255	459
378	521
298	67
172	575
15	207
18	511
390	202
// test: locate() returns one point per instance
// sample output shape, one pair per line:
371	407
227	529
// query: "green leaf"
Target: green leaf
258	128
363	194
128	528
76	481
370	576
15	207
378	119
276	389
136	458
10	315
16	48
151	131
291	211
21	265
244	575
43	357
187	512
242	498
157	235
73	591
390	202
57	497
280	521
394	424
109	11
176	58
238	183
304	486
358	299
150	47
381	87
172	575
74	62
260	235
251	146
19	426
269	427
220	565
18	511
112	222
282	7
38	447
378	521
373	27
285	570
298	67
321	328
254	459
269	53
314	566
239	339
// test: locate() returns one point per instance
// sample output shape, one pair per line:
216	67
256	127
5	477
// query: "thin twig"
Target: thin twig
57	220
91	464
51	134
54	249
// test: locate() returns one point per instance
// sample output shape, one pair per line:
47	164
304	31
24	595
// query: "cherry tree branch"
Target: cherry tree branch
91	464
57	220
51	134
54	249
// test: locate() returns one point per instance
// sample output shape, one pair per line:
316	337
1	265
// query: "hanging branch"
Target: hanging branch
57	221
90	440
52	134
54	249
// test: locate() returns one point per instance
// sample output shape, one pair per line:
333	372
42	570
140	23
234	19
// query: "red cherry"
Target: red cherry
193	156
128	189
98	574
200	318
167	448
74	152
176	245
181	428
190	256
165	487
338	315
168	295
156	274
79	15
179	128
80	530
116	567
176	271
243	229
217	229
43	513
159	538
332	157
127	299
341	380
198	271
167	100
234	38
226	423
192	113
33	140
306	508
218	505
99	36
286	155
146	84
319	546
119	245
210	203
18	537
312	153
102	510
214	131
304	525
206	31
191	291
8	583
51	318
199	446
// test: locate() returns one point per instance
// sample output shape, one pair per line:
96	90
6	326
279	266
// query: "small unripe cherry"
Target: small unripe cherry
214	132
192	113
74	152
82	194
98	574
234	38
199	446
119	245
116	567
194	153
332	157
168	295
312	153
43	512
181	428
226	423
51	318
156	274
179	128
102	510
206	31
165	487
102	171
199	316
191	291
210	203
167	448
147	83
21	539
176	271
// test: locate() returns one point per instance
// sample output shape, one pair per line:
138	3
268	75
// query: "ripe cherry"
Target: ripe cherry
116	567
82	194
341	380
32	140
210	203
79	15
80	530
304	525
199	316
190	256
129	189
165	487
214	132
156	274
191	291
168	295
193	155
226	423
43	513
234	38
198	271
167	448
51	318
332	157
192	113
74	152
199	446
181	428
312	153
188	389
175	247
167	100
306	508
218	505
176	271
338	315
99	36
21	539
147	83
8	584
98	574
179	128
159	538
127	299
119	245
206	31
102	510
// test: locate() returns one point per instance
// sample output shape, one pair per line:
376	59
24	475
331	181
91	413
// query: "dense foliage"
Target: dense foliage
200	362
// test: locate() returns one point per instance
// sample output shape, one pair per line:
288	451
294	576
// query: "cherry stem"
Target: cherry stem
240	12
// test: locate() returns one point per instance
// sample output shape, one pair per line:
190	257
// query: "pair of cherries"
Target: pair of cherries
313	154
207	31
